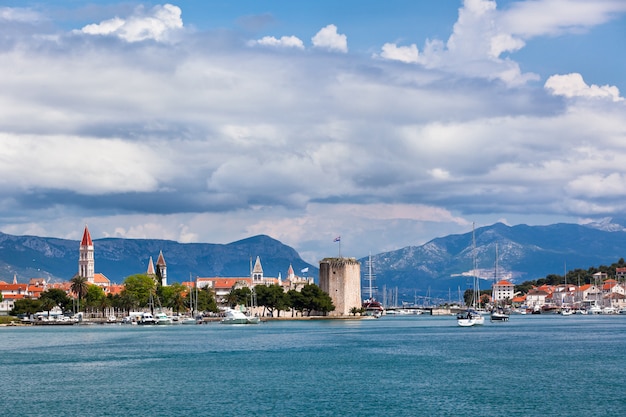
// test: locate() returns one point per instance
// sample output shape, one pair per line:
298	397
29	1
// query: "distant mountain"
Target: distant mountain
444	265
440	267
57	259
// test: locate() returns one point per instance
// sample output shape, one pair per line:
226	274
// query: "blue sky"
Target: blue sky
388	123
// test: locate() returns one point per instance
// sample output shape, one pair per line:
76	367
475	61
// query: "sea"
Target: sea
532	365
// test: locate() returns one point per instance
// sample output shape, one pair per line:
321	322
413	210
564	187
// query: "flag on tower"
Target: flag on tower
337	239
303	270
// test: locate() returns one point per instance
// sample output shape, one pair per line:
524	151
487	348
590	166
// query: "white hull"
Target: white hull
237	317
499	317
478	321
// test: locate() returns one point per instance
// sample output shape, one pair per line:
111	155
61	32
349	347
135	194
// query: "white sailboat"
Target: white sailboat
471	317
372	306
497	314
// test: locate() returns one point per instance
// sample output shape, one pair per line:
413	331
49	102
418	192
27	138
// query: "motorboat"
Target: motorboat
232	316
189	320
162	318
146	318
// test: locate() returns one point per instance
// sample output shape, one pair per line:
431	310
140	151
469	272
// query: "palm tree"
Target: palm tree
79	286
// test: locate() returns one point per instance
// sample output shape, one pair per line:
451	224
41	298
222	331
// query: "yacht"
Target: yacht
232	316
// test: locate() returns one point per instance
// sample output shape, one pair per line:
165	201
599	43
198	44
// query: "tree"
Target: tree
140	288
95	297
26	306
173	296
239	296
79	286
206	300
58	297
48	304
316	300
272	297
296	301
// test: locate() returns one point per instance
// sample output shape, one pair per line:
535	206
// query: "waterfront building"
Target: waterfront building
503	290
11	293
536	297
340	278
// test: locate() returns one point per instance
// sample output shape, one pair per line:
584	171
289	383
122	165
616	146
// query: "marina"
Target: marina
321	368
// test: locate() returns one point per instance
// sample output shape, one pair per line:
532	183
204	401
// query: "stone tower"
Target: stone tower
341	279
257	272
86	263
161	269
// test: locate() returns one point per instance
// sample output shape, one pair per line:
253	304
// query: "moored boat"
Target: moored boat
162	318
499	315
470	318
146	318
232	316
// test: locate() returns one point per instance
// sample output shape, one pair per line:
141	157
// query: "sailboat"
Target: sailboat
471	317
372	306
497	314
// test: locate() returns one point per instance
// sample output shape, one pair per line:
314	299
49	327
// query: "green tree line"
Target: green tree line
141	292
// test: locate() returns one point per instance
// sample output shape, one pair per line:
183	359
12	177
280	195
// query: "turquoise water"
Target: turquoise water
394	366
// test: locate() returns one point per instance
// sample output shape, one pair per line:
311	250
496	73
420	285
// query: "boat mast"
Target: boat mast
476	299
495	278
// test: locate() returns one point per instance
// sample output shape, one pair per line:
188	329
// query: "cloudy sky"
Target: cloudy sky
386	123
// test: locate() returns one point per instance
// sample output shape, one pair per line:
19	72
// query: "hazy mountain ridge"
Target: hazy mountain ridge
524	253
440	265
57	259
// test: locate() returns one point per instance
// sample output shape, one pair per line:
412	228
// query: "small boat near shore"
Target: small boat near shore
162	318
232	316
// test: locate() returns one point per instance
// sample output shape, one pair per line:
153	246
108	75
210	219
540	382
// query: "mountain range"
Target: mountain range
439	267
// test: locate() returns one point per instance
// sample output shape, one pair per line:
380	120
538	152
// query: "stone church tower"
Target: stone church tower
86	263
341	279
257	272
161	269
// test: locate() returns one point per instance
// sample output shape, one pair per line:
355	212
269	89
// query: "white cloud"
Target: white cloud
573	85
284	41
22	15
597	185
552	17
208	140
473	49
407	54
156	23
328	38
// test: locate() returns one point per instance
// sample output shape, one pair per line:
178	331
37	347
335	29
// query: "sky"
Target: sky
387	123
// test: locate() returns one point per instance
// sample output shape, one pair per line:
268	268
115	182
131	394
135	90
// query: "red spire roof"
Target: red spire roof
86	238
160	259
150	267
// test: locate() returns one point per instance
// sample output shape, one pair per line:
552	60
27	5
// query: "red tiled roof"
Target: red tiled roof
86	238
100	278
225	283
13	287
160	260
115	289
13	296
504	283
